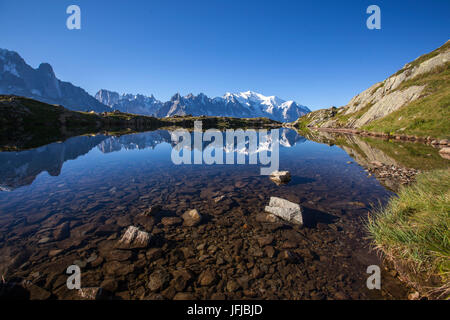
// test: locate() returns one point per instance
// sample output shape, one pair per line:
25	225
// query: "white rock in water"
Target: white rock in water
280	177
285	209
134	238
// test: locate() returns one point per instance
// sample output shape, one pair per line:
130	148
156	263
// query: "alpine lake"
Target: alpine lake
68	203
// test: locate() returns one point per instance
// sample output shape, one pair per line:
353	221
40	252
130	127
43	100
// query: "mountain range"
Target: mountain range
19	78
241	105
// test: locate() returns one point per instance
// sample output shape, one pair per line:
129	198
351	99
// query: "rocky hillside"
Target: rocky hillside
130	103
18	78
413	101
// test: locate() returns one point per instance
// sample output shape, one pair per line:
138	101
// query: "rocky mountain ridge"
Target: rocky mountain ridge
241	105
20	79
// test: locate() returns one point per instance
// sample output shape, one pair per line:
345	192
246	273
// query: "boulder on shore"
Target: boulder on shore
285	210
445	153
280	177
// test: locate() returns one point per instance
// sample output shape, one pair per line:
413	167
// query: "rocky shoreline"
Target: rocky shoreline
439	143
391	176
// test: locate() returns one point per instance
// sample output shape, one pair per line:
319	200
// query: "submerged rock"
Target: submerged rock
62	232
191	218
280	177
134	238
158	280
207	278
285	210
152	210
171	221
93	293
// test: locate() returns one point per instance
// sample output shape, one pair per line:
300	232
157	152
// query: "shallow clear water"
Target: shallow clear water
100	185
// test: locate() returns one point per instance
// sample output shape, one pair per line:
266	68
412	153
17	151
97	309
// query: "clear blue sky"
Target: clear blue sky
319	53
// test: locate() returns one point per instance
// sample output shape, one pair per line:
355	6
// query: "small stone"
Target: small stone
109	285
219	198
158	280
207	278
152	210
280	177
414	296
118	255
62	232
54	252
80	263
218	296
171	221
289	256
317	295
154	254
270	251
250	293
341	296
44	240
93	293
289	244
183	296
265	240
191	218
134	238
376	163
232	286
445	153
285	209
266	217
36	293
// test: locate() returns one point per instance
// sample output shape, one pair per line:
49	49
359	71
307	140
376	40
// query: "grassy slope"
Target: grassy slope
413	231
427	116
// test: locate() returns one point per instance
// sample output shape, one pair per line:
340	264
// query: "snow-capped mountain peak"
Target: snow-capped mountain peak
269	106
247	104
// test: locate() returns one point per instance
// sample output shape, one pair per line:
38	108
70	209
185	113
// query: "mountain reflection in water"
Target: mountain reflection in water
21	168
98	186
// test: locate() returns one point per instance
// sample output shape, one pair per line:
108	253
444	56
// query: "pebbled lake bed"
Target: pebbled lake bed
69	203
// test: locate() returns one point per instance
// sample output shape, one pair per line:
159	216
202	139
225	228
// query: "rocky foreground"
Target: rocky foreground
220	243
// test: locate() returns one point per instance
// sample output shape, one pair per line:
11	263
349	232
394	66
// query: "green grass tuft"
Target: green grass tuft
413	231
